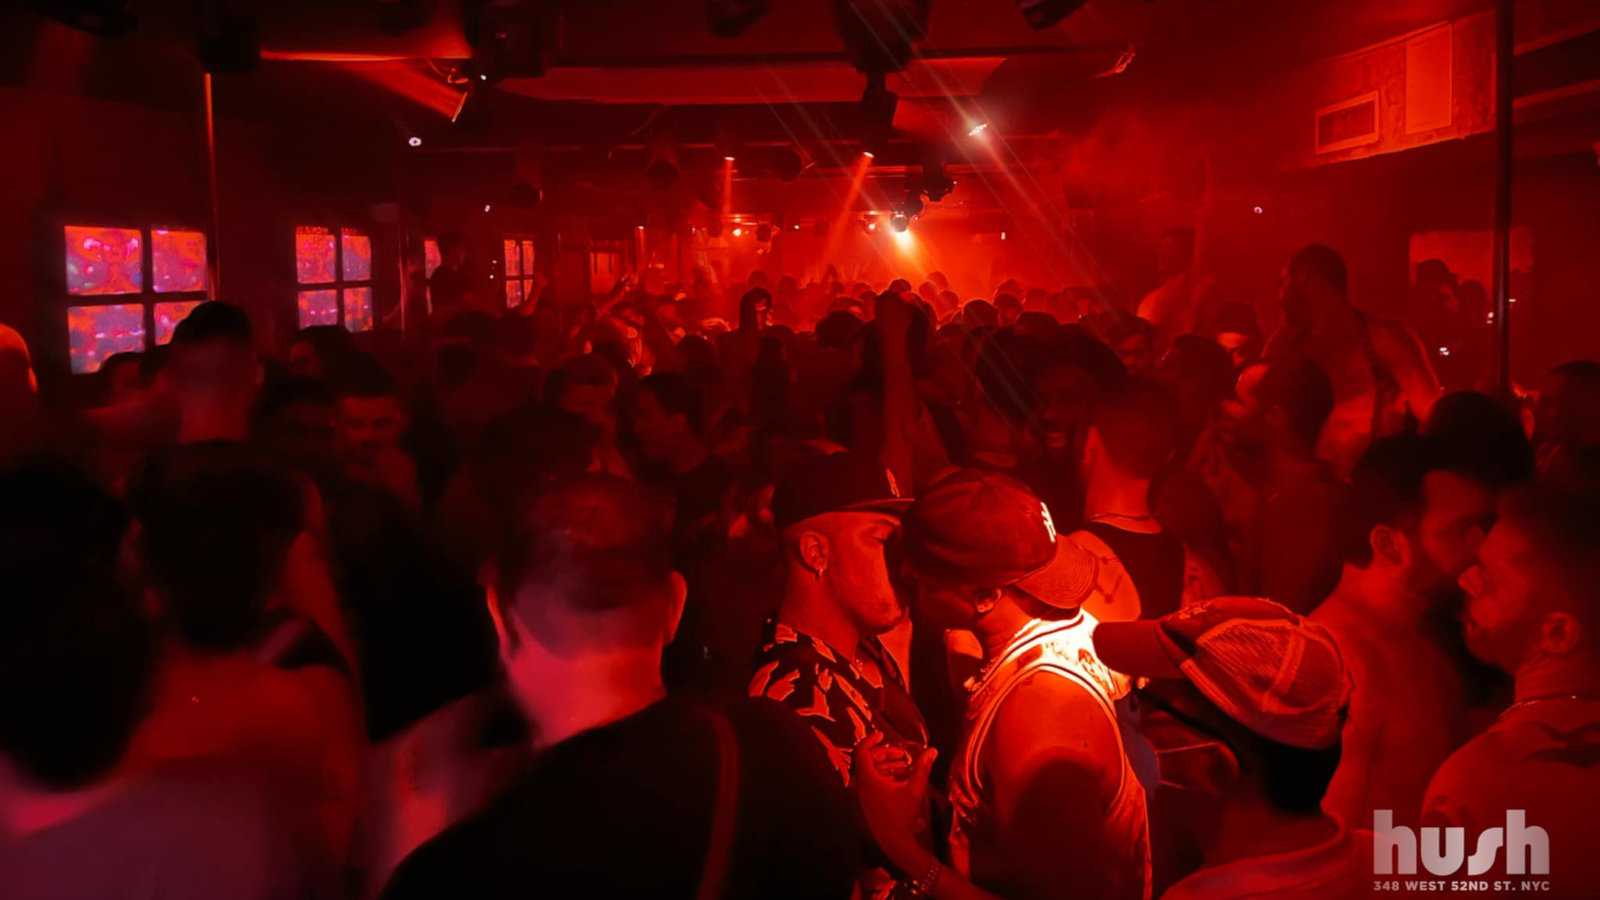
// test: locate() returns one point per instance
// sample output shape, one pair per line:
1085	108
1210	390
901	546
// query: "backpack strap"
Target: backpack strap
724	812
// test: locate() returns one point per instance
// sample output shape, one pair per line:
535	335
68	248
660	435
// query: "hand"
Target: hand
894	805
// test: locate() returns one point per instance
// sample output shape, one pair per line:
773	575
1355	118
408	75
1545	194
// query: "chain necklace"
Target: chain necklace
1124	516
1532	701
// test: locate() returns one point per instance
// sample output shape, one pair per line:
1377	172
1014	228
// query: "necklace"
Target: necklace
1531	701
1144	518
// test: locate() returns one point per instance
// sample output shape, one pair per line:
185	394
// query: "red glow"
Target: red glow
978	129
407	81
738	232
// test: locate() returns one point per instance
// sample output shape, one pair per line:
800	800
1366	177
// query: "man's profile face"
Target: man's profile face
368	426
858	567
1296	297
1502	586
1456	514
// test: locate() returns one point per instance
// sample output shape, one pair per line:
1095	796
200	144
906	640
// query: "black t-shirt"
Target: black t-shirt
626	810
1153	561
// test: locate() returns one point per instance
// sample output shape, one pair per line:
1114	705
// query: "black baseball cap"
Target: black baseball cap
837	482
987	529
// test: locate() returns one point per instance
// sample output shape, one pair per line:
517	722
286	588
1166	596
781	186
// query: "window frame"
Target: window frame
526	269
147	297
340	283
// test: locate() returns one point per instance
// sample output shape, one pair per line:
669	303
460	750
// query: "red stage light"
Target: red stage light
738	232
869	154
978	129
872	226
414	141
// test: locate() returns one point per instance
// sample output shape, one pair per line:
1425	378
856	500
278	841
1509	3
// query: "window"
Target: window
519	269
605	265
334	269
117	275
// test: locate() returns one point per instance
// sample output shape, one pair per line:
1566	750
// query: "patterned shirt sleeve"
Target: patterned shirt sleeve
811	691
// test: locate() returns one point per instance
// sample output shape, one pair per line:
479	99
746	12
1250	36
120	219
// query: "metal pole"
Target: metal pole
1505	53
215	260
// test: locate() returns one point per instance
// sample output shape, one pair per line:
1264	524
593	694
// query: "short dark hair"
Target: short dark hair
596	544
1385	489
76	657
1480	437
678	396
214	320
1138	425
279	394
1303	391
217	523
366	377
1325	263
837	329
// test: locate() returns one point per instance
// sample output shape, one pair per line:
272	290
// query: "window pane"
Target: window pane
96	332
319	308
313	255
168	315
527	257
178	260
430	256
104	261
513	260
356	255
358	308
513	294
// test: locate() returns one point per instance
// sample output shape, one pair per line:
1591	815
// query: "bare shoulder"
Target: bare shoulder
1051	719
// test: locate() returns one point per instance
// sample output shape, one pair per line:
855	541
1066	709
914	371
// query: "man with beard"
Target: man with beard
1410	528
1533	611
1380	374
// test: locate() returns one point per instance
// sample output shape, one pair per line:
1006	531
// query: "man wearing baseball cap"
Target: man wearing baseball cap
837	516
1248	699
1044	801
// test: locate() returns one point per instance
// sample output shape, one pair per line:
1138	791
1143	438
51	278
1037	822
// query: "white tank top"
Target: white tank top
1063	648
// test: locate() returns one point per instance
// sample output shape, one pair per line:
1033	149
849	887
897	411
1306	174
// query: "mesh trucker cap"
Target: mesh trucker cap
1274	672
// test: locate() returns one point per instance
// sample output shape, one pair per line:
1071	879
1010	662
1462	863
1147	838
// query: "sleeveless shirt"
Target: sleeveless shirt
1065	649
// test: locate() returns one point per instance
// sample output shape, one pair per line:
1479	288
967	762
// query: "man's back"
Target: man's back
1543	757
627	810
1406	716
1045	802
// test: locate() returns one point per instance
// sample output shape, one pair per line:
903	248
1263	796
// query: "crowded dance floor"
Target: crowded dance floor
817	449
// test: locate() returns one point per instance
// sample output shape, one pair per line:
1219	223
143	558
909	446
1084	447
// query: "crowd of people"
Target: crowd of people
860	591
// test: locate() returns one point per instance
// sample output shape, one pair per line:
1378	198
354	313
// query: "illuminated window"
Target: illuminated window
115	273
334	270
605	265
519	271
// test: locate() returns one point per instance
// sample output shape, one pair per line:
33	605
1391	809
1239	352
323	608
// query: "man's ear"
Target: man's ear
1091	445
986	600
1390	546
680	594
1559	634
815	552
506	631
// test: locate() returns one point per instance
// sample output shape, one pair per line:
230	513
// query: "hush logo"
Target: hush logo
1396	848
